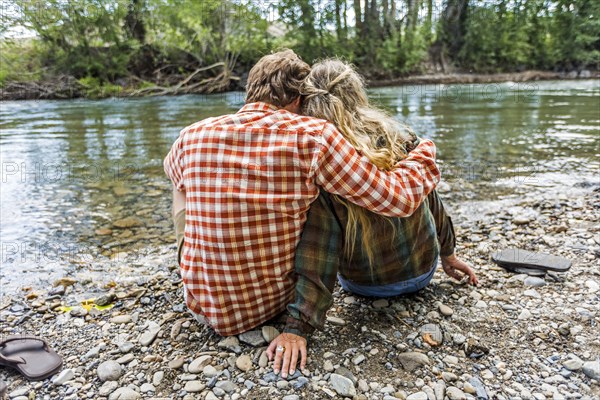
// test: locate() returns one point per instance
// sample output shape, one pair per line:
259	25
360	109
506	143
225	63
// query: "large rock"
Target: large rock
592	369
109	371
342	385
253	338
412	360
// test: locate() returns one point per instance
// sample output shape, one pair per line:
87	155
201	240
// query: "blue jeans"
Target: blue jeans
392	289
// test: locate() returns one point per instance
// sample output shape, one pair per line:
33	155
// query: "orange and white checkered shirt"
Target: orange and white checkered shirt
249	179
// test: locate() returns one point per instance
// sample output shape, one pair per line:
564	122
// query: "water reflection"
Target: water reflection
70	169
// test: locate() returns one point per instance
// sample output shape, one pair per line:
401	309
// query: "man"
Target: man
243	184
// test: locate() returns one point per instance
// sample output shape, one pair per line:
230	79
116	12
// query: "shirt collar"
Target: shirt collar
258	106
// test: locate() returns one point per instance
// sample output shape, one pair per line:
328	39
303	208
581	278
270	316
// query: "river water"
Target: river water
70	169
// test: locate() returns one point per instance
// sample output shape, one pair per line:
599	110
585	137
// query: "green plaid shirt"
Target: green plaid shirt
320	256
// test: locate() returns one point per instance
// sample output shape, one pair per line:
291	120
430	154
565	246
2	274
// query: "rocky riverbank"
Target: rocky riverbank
67	87
513	337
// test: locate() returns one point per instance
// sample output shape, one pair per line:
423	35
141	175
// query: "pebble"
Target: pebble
244	363
194	386
176	363
413	360
592	286
150	334
451	360
147	387
199	363
124	393
418	396
64	376
109	371
573	364
342	385
455	393
592	369
209	371
107	388
230	343
381	303
121	319
269	333
253	338
445	310
158	377
525	314
358	359
534	281
291	397
336	321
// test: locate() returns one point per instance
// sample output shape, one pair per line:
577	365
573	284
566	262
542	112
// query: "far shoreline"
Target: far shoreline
23	91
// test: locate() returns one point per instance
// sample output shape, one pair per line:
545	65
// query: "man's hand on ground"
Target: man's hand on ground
286	360
452	265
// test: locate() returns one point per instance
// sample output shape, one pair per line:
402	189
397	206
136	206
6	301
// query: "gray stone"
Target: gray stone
573	364
64	376
269	333
291	397
418	396
342	385
107	388
230	343
253	338
244	363
209	371
413	360
194	386
455	393
592	369
199	363
347	373
124	393
121	319
147	387
534	281
336	321
158	377
227	386
381	303
109	371
126	347
480	389
439	390
150	334
445	310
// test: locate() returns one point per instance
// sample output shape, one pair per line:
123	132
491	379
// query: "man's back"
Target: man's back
247	194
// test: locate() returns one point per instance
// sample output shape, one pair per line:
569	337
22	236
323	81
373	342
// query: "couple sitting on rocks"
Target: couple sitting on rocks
305	185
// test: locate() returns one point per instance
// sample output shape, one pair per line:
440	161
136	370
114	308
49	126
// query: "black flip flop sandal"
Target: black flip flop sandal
527	262
29	355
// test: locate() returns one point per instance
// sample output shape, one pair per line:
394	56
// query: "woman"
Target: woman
371	255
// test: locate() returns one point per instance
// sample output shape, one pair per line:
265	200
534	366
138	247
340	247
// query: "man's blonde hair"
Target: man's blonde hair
336	92
276	78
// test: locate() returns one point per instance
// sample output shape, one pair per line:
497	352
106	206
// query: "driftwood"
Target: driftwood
188	85
60	87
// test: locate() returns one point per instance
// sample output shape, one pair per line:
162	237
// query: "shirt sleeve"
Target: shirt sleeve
317	260
340	169
443	225
173	163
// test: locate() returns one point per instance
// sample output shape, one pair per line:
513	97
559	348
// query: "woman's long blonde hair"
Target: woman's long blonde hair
336	92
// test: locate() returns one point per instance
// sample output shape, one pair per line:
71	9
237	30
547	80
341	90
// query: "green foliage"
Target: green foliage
103	41
94	88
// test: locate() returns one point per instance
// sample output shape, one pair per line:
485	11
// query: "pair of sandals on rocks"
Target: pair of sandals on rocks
30	355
